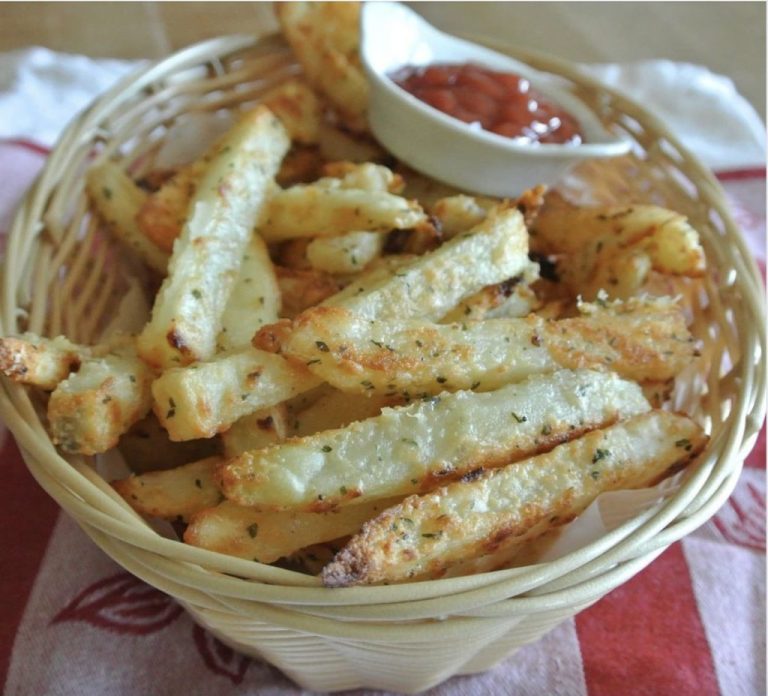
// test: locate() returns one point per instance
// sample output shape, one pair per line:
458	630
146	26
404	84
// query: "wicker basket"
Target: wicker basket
60	276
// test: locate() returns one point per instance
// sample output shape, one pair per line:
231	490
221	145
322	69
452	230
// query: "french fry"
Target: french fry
347	253
615	248
511	298
301	165
39	362
267	536
186	317
256	431
323	210
206	398
118	201
458	214
212	392
366	176
504	508
174	493
337	410
414	448
336	145
300	289
163	213
640	340
325	37
255	298
92	408
436	282
379	271
299	109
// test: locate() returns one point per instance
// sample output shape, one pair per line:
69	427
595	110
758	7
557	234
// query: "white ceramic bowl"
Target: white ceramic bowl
468	157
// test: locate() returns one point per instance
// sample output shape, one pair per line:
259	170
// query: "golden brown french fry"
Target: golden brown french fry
206	398
37	361
366	176
325	38
615	248
347	253
337	144
256	431
118	201
337	410
162	215
186	317
92	408
300	289
267	536
414	448
380	270
299	109
506	507
511	298
255	298
324	210
174	493
458	214
640	340
436	282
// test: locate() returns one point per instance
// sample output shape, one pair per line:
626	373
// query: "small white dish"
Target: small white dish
445	148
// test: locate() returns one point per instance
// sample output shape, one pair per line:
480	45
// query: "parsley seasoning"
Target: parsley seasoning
253	530
441	380
198	483
197	294
546	429
600	454
519	419
343	490
685	443
322	346
327	448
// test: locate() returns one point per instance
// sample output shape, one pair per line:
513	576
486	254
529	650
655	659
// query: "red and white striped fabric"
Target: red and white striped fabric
72	621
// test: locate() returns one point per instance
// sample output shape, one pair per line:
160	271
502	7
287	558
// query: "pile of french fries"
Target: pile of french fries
357	371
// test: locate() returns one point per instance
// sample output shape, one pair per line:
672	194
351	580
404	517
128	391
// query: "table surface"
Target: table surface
727	37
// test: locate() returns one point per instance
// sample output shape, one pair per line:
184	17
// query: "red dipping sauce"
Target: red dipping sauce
502	103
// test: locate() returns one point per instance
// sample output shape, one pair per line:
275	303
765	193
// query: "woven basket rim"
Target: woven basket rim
715	473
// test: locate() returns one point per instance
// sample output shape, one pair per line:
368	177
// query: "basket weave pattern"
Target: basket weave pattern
63	275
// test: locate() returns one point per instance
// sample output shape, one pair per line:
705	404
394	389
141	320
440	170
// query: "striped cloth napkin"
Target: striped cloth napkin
693	622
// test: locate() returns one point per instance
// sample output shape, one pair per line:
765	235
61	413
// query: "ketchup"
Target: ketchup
502	103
